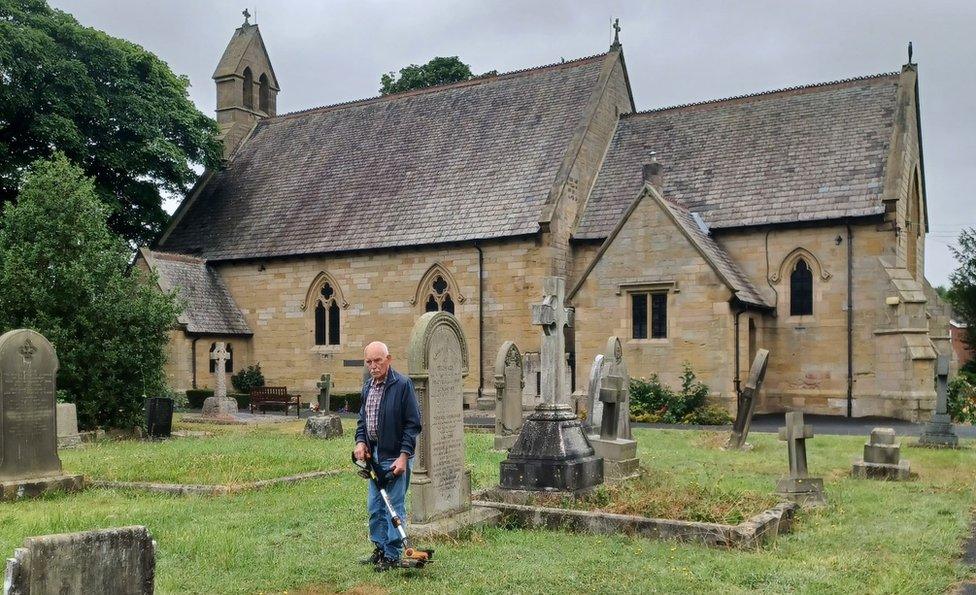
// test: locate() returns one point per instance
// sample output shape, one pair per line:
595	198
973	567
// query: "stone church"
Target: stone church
792	220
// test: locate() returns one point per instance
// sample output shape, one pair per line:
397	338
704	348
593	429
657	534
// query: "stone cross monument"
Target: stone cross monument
799	487
552	452
220	405
325	393
938	433
614	443
747	402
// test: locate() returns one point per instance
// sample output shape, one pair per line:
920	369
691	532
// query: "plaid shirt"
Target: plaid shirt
373	399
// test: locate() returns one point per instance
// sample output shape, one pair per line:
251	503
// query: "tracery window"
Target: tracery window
438	297
327	316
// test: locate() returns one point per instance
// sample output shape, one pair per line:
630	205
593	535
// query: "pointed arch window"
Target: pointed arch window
439	296
228	363
801	289
248	89
264	93
327	316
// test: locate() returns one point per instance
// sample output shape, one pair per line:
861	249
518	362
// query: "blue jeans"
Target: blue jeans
381	529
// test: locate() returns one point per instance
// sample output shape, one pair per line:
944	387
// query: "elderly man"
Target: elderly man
389	422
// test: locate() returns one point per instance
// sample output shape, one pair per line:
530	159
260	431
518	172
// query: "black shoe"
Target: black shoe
373	558
386	564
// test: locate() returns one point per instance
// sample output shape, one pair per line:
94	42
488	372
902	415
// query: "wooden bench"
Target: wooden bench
278	395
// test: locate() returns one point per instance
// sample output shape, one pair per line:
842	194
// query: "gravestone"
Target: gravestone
324	426
325	393
594	407
220	405
120	561
614	442
530	381
747	403
67	424
882	458
508	395
438	362
29	463
552	452
938	433
799	487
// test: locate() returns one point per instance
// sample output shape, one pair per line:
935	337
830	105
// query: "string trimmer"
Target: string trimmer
371	470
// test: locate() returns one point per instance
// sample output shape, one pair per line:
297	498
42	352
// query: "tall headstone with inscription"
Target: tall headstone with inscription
614	442
220	405
747	403
552	452
594	408
508	395
29	463
438	362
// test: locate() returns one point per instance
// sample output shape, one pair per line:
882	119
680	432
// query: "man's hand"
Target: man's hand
361	452
400	465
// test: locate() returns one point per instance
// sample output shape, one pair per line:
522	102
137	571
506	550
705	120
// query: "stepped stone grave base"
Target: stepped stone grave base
219	406
897	472
473	518
31	488
805	491
619	458
324	426
882	458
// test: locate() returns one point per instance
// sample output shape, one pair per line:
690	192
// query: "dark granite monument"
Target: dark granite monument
747	402
552	453
882	458
938	433
119	561
29	463
508	390
799	487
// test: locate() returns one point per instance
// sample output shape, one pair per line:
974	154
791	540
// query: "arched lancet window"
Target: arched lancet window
248	89
438	297
913	225
327	316
228	364
801	289
264	93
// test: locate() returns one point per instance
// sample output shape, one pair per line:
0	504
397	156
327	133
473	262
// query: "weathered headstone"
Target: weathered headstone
552	452
614	443
219	405
594	407
67	424
29	463
323	426
882	458
438	362
508	399
325	393
530	381
119	561
938	432
799	487
747	402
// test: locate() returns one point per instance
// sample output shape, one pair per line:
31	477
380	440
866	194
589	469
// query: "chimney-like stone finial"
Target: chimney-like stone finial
653	172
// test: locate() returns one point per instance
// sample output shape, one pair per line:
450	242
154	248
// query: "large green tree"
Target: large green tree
64	274
438	71
962	289
109	105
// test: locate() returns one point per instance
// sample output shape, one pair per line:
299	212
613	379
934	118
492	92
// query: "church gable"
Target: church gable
803	154
473	160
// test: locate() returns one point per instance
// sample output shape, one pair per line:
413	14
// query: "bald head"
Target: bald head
377	359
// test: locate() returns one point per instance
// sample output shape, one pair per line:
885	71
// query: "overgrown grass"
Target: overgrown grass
873	537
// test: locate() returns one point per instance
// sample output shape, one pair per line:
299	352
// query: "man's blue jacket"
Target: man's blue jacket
399	419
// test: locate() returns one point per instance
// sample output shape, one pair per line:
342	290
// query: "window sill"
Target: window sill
664	341
326	349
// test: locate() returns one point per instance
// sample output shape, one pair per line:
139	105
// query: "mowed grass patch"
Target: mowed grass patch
872	537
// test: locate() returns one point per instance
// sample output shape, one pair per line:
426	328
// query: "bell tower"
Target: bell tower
247	88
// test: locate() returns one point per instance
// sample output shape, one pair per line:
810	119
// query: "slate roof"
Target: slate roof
716	255
468	161
210	309
802	154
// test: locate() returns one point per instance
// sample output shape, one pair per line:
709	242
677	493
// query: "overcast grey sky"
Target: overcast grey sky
677	52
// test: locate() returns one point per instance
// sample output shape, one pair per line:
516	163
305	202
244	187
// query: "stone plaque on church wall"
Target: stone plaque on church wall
28	431
437	359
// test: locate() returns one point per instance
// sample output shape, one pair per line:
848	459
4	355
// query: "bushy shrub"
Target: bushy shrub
349	400
652	401
248	378
196	396
962	397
